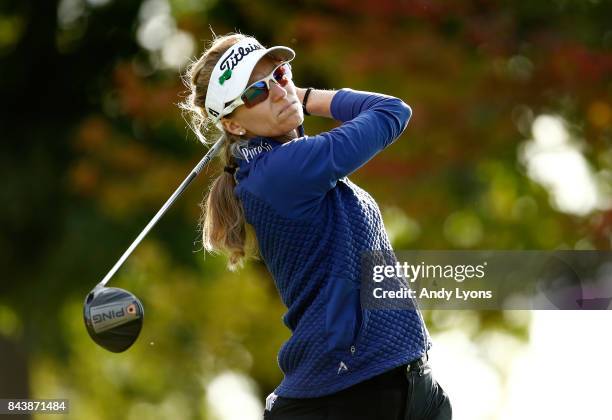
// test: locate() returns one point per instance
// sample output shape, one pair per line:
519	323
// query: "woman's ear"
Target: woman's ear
233	127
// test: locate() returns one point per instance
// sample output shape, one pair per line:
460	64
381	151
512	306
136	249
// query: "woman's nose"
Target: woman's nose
276	91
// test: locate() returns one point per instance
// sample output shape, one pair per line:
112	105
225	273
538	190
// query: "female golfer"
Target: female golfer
311	228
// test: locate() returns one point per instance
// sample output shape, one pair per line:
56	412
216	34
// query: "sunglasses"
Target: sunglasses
259	91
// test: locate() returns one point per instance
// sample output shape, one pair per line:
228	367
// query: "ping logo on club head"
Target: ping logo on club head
110	314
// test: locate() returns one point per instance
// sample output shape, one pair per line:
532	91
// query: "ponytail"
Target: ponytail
224	228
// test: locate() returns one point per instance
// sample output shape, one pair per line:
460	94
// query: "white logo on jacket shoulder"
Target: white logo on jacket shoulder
342	367
249	152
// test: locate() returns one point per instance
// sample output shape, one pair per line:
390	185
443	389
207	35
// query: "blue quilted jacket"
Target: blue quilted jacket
313	225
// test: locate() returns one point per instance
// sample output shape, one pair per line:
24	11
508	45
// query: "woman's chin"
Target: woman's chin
295	120
288	127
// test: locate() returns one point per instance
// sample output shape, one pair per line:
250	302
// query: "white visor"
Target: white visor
232	72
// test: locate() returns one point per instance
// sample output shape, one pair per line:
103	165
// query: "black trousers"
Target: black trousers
407	392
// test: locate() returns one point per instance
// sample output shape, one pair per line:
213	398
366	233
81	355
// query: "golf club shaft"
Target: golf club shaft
212	152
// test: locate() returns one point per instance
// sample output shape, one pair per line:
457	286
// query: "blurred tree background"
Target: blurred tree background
509	147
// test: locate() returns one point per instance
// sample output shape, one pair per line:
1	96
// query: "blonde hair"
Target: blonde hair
224	227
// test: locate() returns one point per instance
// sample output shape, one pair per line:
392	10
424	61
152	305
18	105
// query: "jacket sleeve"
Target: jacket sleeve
302	171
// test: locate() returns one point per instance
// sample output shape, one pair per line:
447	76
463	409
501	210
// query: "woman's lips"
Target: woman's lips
286	107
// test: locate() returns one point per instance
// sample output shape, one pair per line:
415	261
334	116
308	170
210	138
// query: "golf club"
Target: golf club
113	317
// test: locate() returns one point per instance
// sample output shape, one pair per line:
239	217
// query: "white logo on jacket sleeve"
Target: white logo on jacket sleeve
270	399
342	367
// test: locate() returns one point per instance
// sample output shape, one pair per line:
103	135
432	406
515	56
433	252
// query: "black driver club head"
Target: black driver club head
113	317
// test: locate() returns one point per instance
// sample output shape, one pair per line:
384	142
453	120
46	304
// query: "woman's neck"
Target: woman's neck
286	137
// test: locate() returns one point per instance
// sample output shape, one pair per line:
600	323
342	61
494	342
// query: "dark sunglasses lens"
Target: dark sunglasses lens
256	93
281	74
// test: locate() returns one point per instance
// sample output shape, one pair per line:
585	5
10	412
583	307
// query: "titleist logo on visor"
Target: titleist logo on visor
237	55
